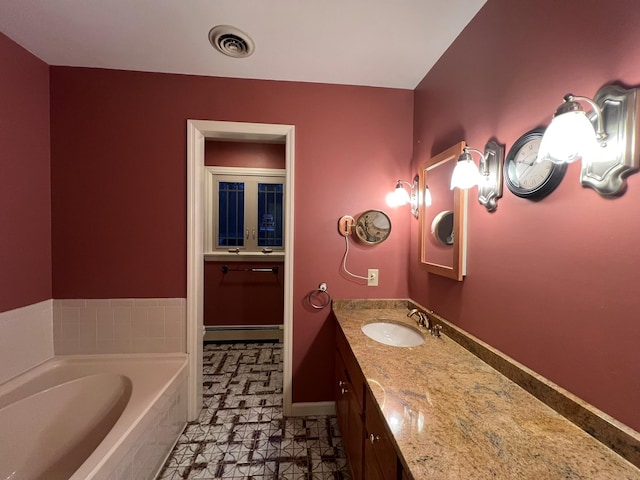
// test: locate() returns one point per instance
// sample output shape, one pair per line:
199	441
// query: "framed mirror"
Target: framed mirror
373	227
443	224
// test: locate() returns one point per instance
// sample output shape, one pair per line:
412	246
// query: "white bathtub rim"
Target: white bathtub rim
81	473
61	359
28	421
60	384
58	361
26	372
128	420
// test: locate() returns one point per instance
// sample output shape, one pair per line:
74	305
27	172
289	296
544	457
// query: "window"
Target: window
245	210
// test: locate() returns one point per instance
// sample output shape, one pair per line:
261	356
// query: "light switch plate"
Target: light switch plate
372	275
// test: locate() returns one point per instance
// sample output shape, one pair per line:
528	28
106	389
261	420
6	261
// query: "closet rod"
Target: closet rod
273	269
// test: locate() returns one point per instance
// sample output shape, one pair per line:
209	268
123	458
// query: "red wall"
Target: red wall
25	202
552	283
243	297
240	154
119	187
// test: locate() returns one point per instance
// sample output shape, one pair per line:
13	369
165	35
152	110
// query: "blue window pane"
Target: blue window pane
231	214
270	208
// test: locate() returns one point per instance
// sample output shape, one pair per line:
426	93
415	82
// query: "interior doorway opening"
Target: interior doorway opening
198	131
244	241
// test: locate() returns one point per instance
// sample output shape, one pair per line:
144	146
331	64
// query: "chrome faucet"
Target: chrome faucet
424	320
435	331
415	311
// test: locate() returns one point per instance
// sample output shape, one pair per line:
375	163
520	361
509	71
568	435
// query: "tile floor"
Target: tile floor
241	432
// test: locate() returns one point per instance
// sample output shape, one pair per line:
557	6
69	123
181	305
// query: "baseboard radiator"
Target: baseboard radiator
242	333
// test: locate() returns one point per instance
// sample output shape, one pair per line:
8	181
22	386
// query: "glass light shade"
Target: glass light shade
465	175
426	199
569	137
391	199
400	195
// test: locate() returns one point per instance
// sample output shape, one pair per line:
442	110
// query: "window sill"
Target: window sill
244	257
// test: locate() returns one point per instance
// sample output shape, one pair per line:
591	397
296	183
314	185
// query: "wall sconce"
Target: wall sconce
605	140
488	177
400	196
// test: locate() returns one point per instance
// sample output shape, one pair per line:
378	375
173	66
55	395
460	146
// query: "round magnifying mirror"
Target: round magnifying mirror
373	227
442	227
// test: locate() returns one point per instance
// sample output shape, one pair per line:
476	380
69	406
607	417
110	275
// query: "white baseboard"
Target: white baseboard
312	409
241	333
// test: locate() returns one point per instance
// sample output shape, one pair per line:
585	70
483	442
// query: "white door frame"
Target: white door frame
197	132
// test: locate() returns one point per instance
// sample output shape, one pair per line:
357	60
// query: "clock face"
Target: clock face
524	176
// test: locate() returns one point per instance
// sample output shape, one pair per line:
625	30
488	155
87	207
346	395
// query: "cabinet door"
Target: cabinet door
341	396
353	443
353	372
371	469
379	446
349	418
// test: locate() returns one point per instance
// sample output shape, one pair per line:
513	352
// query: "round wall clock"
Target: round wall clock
524	176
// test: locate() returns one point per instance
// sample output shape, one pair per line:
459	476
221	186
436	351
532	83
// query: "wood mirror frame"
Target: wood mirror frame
437	172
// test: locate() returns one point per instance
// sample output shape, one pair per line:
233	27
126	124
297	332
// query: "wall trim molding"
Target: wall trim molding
312	409
197	132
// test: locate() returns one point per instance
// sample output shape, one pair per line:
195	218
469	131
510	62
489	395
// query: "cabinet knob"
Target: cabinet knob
341	383
373	438
343	390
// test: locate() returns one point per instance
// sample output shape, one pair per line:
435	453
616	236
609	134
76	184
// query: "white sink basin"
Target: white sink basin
393	334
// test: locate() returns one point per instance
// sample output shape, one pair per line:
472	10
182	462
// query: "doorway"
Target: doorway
198	131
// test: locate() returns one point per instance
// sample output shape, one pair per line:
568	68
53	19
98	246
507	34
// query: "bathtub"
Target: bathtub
94	417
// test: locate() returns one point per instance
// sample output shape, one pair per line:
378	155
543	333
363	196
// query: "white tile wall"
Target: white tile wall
119	325
26	338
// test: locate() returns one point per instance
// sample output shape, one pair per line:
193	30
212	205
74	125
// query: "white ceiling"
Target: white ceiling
385	43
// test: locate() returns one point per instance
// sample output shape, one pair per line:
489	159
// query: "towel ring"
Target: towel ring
319	298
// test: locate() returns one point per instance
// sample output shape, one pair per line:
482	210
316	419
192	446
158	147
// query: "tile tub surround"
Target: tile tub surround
241	432
119	325
26	338
452	415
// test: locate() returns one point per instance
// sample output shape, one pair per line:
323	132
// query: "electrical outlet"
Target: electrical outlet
372	275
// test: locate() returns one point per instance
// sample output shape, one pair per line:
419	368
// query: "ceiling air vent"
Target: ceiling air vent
231	41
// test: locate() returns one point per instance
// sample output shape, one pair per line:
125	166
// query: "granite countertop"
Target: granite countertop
454	417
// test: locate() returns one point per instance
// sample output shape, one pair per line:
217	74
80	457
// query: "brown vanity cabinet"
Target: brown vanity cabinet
349	405
370	451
